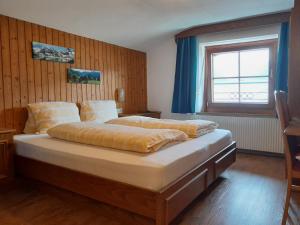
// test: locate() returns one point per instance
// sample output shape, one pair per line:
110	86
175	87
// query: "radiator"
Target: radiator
251	133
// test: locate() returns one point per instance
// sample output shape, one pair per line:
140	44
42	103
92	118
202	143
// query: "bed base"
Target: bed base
160	207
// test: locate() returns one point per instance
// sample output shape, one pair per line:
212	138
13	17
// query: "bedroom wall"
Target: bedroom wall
24	80
262	133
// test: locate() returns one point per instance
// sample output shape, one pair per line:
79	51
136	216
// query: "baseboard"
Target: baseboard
263	153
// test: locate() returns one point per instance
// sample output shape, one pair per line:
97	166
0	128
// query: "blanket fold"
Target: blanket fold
121	137
193	128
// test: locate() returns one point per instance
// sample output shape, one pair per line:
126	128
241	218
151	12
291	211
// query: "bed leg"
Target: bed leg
161	217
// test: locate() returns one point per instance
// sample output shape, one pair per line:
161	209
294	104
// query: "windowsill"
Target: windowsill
237	114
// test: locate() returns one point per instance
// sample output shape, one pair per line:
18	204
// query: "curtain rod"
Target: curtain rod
260	20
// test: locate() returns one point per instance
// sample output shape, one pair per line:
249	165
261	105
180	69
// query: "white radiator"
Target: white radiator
259	134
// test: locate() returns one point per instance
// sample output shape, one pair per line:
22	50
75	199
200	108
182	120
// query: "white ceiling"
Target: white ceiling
134	23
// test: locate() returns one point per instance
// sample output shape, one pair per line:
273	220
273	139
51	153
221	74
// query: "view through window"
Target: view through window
241	75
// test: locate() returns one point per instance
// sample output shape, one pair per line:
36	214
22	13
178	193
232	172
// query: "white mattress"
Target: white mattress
151	171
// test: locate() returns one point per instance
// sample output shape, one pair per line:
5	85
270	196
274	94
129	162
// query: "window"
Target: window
240	77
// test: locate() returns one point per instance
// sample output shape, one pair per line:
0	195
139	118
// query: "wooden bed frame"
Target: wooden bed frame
160	207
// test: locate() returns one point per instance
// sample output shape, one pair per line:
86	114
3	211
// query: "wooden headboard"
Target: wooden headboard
24	80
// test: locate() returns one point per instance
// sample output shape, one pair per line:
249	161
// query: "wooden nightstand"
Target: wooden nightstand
6	153
152	114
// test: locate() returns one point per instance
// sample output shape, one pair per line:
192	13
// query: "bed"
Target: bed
175	175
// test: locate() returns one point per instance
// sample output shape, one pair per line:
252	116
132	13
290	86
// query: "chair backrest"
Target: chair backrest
282	108
284	118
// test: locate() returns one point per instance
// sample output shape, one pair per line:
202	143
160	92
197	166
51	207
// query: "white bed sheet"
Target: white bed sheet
151	171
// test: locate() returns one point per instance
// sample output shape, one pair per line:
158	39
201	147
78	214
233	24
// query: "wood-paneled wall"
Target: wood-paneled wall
24	80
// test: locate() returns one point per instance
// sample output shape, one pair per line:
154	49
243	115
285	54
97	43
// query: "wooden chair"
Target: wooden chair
290	148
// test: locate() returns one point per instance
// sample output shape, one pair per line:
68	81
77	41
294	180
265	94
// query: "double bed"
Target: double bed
156	185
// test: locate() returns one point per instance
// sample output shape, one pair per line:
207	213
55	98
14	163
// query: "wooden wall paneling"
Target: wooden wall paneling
109	72
117	73
73	86
119	68
127	94
130	81
101	68
44	69
15	76
62	70
112	71
125	81
24	80
145	80
96	62
88	67
140	73
22	64
134	81
56	69
92	67
50	68
144	77
144	74
140	84
37	67
105	70
83	66
113	74
68	85
77	65
2	107
109	69
29	63
137	83
6	73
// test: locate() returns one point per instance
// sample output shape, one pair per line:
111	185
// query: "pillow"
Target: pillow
100	111
50	114
30	127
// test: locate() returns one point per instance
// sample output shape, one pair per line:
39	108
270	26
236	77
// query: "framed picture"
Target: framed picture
52	53
83	76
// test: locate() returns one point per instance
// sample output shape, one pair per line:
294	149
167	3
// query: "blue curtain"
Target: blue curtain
281	82
184	96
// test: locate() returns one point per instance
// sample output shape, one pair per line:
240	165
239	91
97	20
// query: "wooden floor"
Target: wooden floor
251	192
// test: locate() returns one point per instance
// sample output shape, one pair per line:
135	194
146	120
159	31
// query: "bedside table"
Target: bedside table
6	153
153	114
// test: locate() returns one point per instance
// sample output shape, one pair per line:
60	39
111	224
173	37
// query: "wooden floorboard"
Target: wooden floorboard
251	192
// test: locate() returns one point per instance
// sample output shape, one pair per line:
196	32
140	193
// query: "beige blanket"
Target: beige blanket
117	136
193	128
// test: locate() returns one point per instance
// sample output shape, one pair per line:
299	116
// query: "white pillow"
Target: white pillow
44	115
30	126
100	111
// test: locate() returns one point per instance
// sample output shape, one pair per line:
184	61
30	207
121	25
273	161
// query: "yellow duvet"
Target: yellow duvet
121	137
193	128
